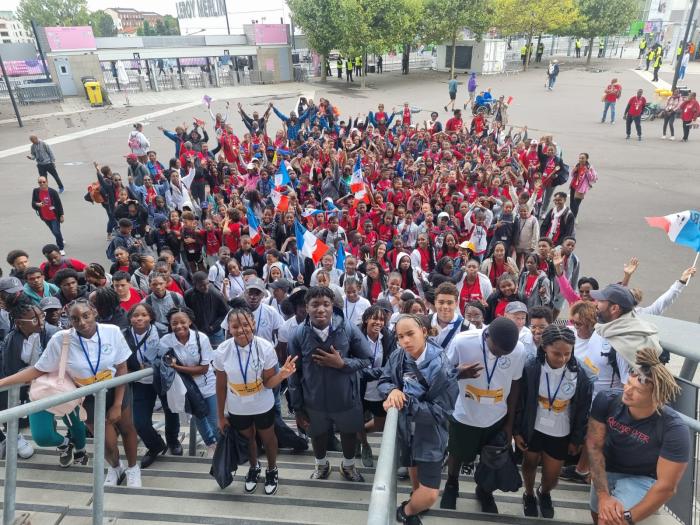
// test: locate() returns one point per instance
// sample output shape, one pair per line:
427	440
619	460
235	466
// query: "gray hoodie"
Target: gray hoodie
628	334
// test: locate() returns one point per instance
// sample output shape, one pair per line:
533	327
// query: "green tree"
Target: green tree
533	17
102	24
320	21
146	29
171	24
161	28
444	20
602	18
53	12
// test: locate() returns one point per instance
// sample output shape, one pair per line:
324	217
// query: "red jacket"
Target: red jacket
690	110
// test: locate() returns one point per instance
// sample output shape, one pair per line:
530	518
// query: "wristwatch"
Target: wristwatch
628	517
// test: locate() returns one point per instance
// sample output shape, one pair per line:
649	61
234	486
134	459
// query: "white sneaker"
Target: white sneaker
133	476
209	452
663	137
115	475
673	138
24	449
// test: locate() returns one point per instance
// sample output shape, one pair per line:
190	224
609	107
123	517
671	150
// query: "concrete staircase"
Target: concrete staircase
180	490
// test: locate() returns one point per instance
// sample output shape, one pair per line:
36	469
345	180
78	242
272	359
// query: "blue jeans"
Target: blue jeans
552	80
144	401
628	489
216	338
610	105
208	427
55	228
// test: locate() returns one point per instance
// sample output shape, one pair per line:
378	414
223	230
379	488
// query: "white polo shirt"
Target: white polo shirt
353	311
89	360
188	355
556	389
592	354
267	320
481	403
244	365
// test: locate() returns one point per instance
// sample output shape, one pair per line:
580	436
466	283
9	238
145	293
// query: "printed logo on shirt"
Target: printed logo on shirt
559	405
504	362
480	395
104	375
568	387
246	389
621	428
590	366
107	349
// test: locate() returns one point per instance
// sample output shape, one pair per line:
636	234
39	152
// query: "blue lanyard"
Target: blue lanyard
354	305
96	368
244	373
489	375
376	349
257	326
551	398
145	346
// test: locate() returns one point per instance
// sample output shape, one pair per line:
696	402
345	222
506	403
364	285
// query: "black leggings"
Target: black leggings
574	203
668	121
686	129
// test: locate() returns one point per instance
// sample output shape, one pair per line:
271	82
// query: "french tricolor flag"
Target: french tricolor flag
308	244
282	176
281	201
357	182
253	226
682	227
308	212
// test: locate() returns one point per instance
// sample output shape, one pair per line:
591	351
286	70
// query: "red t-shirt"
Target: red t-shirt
636	106
501	307
213	241
470	292
46	212
530	284
690	109
174	287
612	92
134	298
454	124
50	272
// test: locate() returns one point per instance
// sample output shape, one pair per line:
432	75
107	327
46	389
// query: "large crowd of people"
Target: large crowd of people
345	268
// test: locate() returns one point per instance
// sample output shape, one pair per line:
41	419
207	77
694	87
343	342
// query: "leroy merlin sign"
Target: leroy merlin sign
200	8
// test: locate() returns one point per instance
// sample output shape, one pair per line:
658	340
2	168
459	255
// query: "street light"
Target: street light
684	43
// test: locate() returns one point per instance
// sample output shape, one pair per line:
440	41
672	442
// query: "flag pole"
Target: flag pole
695	263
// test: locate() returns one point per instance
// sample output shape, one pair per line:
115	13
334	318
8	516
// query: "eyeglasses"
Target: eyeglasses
39	317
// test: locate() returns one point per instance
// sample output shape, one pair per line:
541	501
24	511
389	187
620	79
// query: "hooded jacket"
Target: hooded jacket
628	334
323	388
424	419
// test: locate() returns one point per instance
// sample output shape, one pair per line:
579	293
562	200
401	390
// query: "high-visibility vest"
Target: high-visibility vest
680	51
348	64
523	51
657	60
578	43
643	44
358	61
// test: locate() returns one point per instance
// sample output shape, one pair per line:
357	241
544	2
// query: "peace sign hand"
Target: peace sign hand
289	367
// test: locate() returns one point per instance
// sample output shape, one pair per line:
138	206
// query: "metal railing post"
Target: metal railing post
8	510
193	437
688	369
382	503
98	464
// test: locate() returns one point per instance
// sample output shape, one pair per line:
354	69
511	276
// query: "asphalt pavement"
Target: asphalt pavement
637	179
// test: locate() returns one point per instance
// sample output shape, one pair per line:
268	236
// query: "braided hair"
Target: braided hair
551	335
650	368
190	314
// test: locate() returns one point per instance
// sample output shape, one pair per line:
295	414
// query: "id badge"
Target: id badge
487	400
548	420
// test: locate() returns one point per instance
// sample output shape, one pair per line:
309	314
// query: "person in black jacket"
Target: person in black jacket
551	419
381	343
247	257
109	310
550	166
209	307
47	205
506	291
560	222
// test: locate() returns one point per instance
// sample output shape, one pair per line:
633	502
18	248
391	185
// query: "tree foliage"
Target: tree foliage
602	18
53	12
102	24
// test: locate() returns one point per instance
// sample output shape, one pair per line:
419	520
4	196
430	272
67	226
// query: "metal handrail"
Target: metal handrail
383	496
15	411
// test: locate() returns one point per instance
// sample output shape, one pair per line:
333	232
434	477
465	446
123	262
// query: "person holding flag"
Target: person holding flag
682	228
308	244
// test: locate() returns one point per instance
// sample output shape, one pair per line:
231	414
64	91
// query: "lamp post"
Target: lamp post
684	43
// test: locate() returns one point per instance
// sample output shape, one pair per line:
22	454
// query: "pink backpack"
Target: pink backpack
54	383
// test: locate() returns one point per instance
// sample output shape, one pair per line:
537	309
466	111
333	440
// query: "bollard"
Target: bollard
98	464
8	510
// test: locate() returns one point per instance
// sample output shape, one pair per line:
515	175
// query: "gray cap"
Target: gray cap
616	294
280	284
50	303
255	283
11	285
516	306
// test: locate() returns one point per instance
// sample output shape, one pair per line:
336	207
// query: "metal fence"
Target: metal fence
31	92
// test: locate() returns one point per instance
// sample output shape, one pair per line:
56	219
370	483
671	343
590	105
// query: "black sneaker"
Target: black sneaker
80	457
408	520
65	458
530	506
570	473
271	481
488	503
351	474
367	459
321	471
449	496
251	479
151	455
546	507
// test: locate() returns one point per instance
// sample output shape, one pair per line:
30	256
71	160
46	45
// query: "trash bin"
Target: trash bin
83	81
94	93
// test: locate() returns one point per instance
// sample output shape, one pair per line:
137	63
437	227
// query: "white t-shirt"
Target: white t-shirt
482	403
525	337
245	394
287	329
353	311
94	360
267	320
217	274
592	354
147	352
377	349
31	349
188	355
443	332
555	421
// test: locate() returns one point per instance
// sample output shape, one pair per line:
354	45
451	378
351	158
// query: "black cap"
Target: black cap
616	294
504	334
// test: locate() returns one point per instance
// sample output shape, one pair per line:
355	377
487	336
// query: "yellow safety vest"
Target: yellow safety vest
643	44
578	44
523	50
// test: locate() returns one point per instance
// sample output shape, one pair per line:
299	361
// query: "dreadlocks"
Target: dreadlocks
650	368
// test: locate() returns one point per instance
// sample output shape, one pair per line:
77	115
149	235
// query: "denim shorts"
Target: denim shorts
627	488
